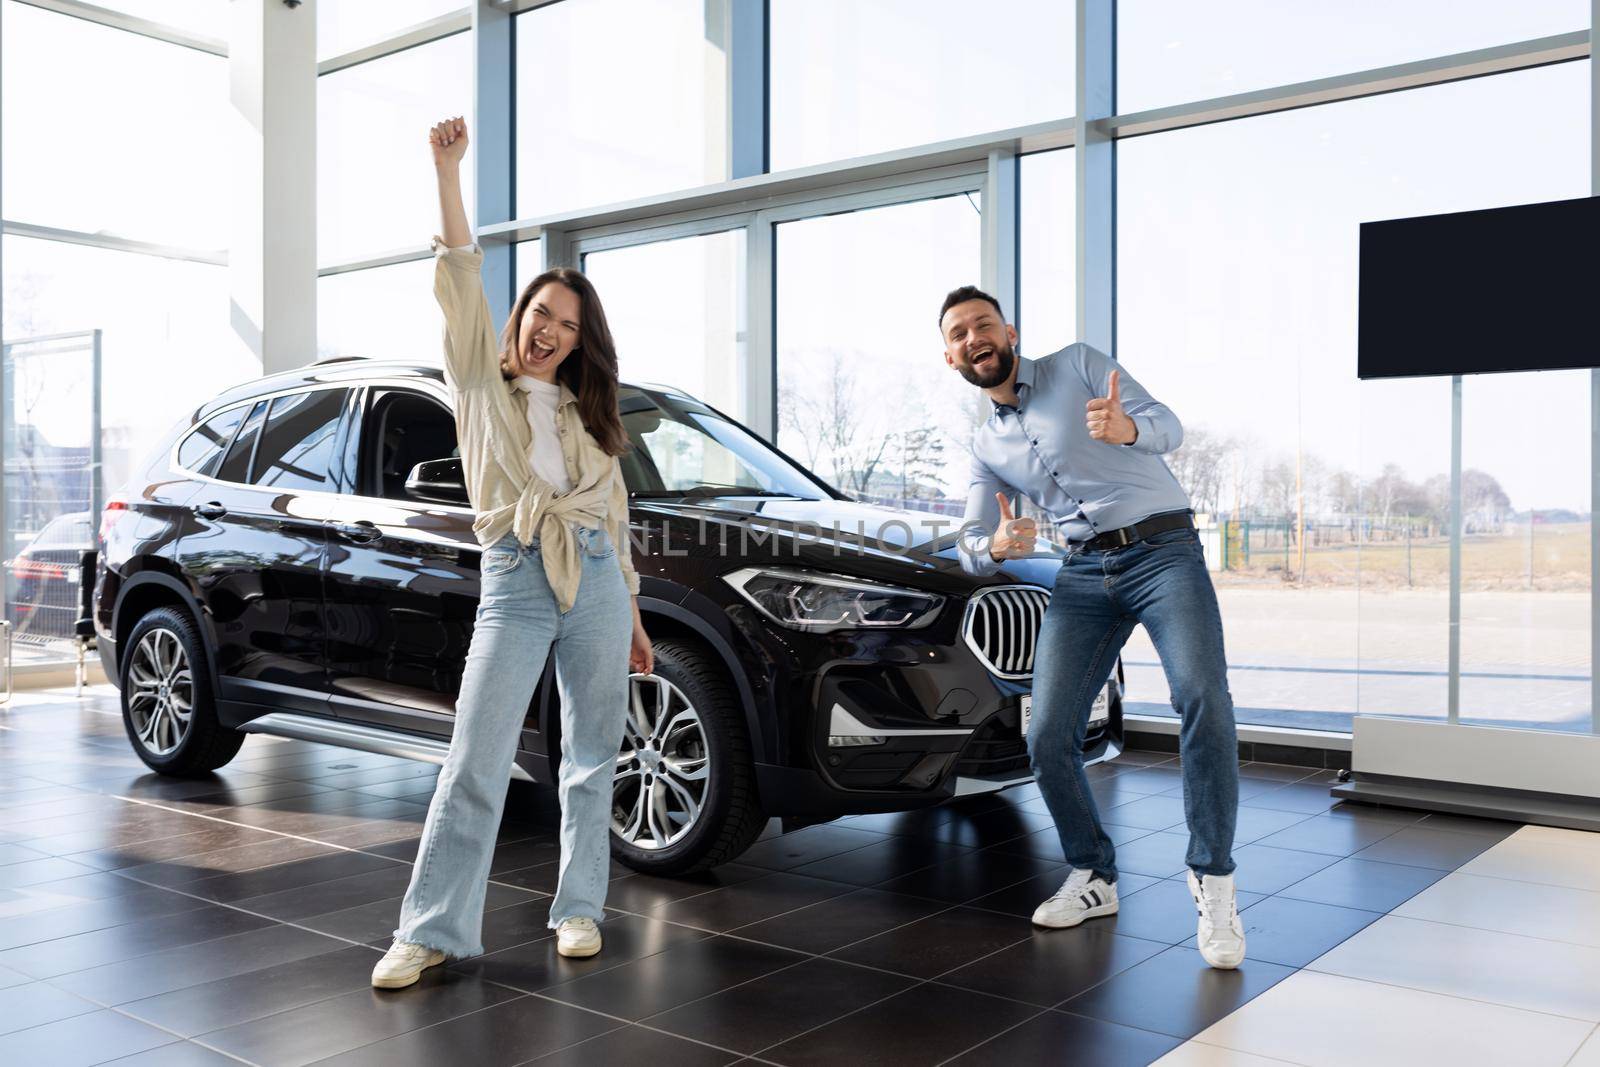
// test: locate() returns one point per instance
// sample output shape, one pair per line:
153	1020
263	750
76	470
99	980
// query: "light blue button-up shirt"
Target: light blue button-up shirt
1042	449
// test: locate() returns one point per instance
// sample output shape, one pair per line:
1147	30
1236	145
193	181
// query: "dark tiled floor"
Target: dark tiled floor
236	918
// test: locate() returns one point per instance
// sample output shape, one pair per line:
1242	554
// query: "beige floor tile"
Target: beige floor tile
1533	858
1551	912
1589	1054
1554	835
1326	1021
1194	1054
1506	969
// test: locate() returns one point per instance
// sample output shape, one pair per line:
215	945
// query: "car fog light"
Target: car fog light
854	740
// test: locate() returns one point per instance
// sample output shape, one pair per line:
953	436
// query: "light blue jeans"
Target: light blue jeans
517	623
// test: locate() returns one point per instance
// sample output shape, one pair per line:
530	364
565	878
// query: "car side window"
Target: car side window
400	430
202	450
236	467
297	441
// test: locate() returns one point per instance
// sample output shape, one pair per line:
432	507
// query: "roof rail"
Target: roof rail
336	359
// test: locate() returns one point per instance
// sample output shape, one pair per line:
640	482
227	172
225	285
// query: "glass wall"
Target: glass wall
375	184
1330	498
109	137
1525	589
346	25
605	116
676	311
1047	311
857	322
131	141
851	79
1325	503
380	313
1174	51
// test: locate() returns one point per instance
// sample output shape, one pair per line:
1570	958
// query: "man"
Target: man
1083	441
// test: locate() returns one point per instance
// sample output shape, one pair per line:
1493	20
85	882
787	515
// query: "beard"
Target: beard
1004	358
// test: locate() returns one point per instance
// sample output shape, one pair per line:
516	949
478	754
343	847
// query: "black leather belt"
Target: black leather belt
1155	524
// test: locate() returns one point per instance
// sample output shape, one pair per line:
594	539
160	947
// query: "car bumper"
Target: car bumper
800	792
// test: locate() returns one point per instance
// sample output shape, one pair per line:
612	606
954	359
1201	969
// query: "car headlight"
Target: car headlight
822	603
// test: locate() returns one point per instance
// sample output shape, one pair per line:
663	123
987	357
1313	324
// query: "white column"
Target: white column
272	252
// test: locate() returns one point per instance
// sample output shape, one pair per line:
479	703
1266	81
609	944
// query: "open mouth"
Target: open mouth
538	352
978	359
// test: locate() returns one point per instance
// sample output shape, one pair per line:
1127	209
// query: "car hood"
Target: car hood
843	536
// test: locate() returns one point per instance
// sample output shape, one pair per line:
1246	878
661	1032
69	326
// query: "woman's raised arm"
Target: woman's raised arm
449	142
470	351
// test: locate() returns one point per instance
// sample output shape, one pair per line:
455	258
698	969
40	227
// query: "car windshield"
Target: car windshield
683	449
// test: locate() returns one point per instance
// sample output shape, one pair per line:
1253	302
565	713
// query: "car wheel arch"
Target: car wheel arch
143	592
664	620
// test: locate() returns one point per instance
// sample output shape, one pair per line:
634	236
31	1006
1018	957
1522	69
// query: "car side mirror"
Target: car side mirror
438	481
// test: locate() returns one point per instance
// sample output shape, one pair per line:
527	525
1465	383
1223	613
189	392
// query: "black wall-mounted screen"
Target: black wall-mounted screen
1508	289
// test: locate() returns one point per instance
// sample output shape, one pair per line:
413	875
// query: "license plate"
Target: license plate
1099	711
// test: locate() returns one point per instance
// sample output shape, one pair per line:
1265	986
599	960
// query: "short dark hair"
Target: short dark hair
965	293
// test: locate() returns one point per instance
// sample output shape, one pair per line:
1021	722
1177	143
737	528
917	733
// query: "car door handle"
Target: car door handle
210	510
362	533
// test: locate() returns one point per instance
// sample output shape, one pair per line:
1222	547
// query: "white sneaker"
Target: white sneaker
1082	896
1221	935
578	937
403	964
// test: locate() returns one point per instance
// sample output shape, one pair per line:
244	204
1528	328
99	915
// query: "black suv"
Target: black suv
298	559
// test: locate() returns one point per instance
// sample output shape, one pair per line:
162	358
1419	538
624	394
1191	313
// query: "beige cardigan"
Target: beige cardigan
492	428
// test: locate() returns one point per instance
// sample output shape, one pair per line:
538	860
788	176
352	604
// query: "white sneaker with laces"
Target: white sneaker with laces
578	937
1221	935
403	964
1082	896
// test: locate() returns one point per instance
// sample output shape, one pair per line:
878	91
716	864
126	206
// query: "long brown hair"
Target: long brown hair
592	376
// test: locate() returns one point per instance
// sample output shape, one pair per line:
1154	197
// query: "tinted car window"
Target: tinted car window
236	467
402	429
201	451
297	443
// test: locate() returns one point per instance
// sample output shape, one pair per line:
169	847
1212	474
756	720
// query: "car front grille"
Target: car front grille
1002	627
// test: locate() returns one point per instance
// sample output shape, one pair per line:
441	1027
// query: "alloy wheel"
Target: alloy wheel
663	769
161	692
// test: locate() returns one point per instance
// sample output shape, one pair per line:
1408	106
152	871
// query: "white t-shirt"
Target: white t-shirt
545	455
543	398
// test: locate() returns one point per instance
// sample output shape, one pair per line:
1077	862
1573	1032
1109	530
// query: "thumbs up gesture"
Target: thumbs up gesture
1107	421
1014	537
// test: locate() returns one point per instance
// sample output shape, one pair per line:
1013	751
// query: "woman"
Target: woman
540	434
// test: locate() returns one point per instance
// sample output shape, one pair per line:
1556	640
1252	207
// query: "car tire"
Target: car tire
164	669
693	717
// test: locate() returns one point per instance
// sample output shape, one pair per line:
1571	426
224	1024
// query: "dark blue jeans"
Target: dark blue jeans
1099	597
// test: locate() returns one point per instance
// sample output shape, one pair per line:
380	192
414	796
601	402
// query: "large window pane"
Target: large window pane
851	79
346	25
166	344
1237	266
1048	316
209	18
1174	51
676	313
619	101
375	181
864	396
1525	591
105	130
382	312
